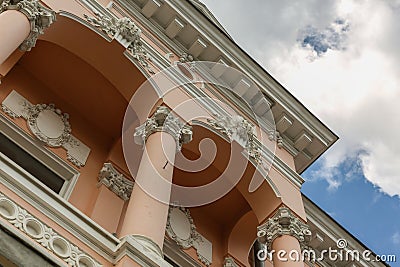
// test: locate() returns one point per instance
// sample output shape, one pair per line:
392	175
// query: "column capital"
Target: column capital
38	15
283	223
163	120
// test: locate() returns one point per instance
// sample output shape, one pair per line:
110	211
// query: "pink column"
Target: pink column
14	29
284	236
146	216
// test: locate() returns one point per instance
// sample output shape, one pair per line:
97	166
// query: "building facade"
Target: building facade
137	133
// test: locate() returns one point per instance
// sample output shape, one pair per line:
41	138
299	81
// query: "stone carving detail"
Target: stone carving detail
48	124
60	136
184	58
181	229
230	262
283	223
276	136
39	17
239	129
127	33
44	235
115	181
163	120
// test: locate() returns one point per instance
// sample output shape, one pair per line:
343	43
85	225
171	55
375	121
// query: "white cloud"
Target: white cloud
396	238
355	91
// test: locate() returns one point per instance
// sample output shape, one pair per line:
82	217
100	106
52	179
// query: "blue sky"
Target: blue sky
341	59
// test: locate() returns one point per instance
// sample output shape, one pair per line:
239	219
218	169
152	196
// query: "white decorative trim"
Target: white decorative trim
276	136
163	120
239	129
182	230
43	234
48	124
38	15
283	223
125	31
115	181
34	111
173	222
230	262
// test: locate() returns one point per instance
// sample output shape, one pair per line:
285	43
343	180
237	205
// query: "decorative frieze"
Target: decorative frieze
239	129
125	31
48	124
181	229
163	120
44	235
283	223
38	15
115	181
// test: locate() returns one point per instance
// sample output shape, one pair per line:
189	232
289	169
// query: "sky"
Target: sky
341	59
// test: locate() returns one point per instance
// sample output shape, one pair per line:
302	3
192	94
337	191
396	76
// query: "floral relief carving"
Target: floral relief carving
163	120
48	124
38	15
127	33
239	129
115	181
44	235
181	229
283	223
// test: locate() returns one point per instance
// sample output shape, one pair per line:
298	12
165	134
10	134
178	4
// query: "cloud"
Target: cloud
396	238
319	41
355	90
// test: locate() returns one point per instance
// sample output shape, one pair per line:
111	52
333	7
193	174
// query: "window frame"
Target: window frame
37	150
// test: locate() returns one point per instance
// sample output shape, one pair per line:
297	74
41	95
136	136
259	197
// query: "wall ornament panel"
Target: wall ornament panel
181	229
48	124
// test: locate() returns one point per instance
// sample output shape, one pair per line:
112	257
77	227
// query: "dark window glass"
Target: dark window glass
30	164
170	261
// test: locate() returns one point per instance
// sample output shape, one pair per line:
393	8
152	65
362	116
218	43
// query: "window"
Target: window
25	162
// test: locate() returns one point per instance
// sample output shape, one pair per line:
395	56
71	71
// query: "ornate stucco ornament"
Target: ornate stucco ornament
43	235
283	223
185	57
48	124
127	33
181	229
276	136
115	181
37	112
230	262
163	120
239	129
38	15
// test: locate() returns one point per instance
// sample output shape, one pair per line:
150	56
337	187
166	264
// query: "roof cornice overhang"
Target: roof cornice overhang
283	102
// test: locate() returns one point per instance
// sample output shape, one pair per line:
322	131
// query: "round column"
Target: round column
21	24
285	236
146	217
14	29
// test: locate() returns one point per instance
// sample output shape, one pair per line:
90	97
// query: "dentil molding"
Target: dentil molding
163	120
48	124
125	31
44	235
115	181
181	229
283	223
38	15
